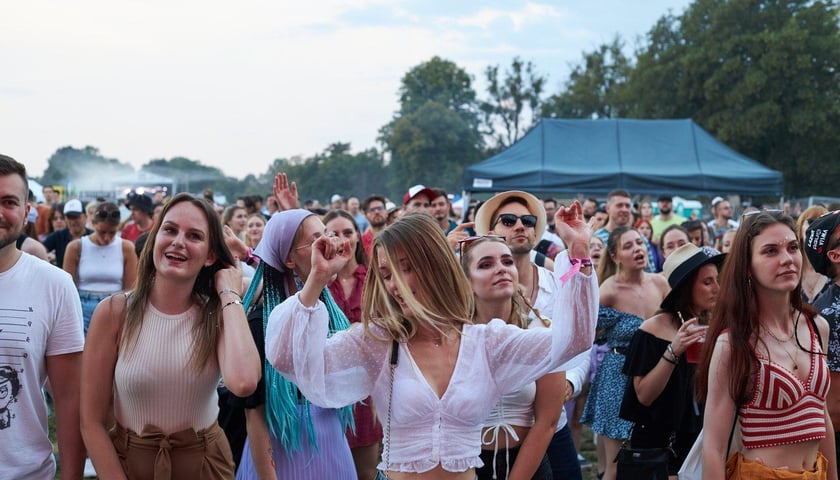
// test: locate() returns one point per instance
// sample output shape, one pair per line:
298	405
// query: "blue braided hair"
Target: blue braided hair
282	397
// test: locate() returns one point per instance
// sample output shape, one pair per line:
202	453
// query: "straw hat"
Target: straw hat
683	262
485	214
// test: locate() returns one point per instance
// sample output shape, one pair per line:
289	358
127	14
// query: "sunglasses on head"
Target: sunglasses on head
509	220
756	212
106	215
464	244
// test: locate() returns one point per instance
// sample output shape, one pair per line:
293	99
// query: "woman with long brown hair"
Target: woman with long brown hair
154	355
763	369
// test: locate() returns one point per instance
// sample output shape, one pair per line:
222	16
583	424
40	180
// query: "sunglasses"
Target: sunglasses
756	212
113	216
509	220
464	244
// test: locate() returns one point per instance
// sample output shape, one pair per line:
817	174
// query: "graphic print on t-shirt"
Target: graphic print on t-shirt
14	340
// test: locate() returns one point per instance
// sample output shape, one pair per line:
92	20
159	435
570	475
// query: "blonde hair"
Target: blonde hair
443	298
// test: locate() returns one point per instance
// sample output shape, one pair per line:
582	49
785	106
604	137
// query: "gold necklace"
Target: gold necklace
782	344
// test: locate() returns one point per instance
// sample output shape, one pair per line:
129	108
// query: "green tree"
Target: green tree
432	146
435	133
190	175
759	75
82	168
509	99
335	170
594	87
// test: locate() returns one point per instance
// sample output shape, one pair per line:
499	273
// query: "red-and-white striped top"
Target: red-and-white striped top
783	409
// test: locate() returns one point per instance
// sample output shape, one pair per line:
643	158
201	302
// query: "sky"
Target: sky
236	85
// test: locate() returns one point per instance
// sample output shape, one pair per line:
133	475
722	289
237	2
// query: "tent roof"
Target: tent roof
642	156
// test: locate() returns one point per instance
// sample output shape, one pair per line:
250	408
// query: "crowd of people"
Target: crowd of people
279	339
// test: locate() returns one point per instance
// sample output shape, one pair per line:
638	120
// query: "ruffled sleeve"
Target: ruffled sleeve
331	372
519	356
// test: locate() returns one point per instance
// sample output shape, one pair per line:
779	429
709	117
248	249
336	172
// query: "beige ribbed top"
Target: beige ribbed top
154	384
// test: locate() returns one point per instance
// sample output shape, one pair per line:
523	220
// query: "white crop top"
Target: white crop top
101	266
425	431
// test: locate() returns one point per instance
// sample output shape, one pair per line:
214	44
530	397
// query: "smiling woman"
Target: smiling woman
156	354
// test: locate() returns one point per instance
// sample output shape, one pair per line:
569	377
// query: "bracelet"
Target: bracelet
584	262
672	362
233	302
251	258
229	290
674	356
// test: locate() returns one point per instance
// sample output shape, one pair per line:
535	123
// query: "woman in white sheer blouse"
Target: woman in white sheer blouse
432	373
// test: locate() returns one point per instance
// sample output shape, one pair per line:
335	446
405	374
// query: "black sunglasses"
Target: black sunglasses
106	215
509	220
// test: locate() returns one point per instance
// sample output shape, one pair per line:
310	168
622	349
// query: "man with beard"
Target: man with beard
666	216
439	209
377	216
74	214
41	339
520	217
722	210
620	214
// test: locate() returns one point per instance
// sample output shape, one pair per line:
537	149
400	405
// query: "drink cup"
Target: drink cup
692	353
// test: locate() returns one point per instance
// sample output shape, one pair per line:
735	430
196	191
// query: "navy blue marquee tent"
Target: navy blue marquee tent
646	157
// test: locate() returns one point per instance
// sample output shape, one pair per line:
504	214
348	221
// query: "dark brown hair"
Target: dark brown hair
736	311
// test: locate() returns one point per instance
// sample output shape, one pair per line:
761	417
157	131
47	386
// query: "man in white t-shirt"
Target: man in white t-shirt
40	338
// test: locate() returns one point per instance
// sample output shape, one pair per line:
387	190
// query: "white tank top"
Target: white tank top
101	267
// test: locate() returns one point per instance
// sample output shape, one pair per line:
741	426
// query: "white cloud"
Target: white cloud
485	18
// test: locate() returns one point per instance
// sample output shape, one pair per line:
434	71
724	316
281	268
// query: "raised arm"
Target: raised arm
239	359
330	372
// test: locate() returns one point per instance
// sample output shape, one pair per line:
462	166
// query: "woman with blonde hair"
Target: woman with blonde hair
813	283
433	373
154	356
254	226
763	369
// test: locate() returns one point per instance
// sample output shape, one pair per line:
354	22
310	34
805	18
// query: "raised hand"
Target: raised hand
329	255
457	234
573	229
236	246
285	194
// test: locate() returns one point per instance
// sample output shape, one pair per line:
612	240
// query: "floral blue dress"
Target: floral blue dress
607	390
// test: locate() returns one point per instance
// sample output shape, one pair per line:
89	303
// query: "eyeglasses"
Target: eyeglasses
464	244
376	209
106	215
509	220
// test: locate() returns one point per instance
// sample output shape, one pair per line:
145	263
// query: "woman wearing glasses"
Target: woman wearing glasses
101	263
433	374
763	370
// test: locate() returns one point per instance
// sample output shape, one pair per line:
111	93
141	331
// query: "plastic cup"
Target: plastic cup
692	353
